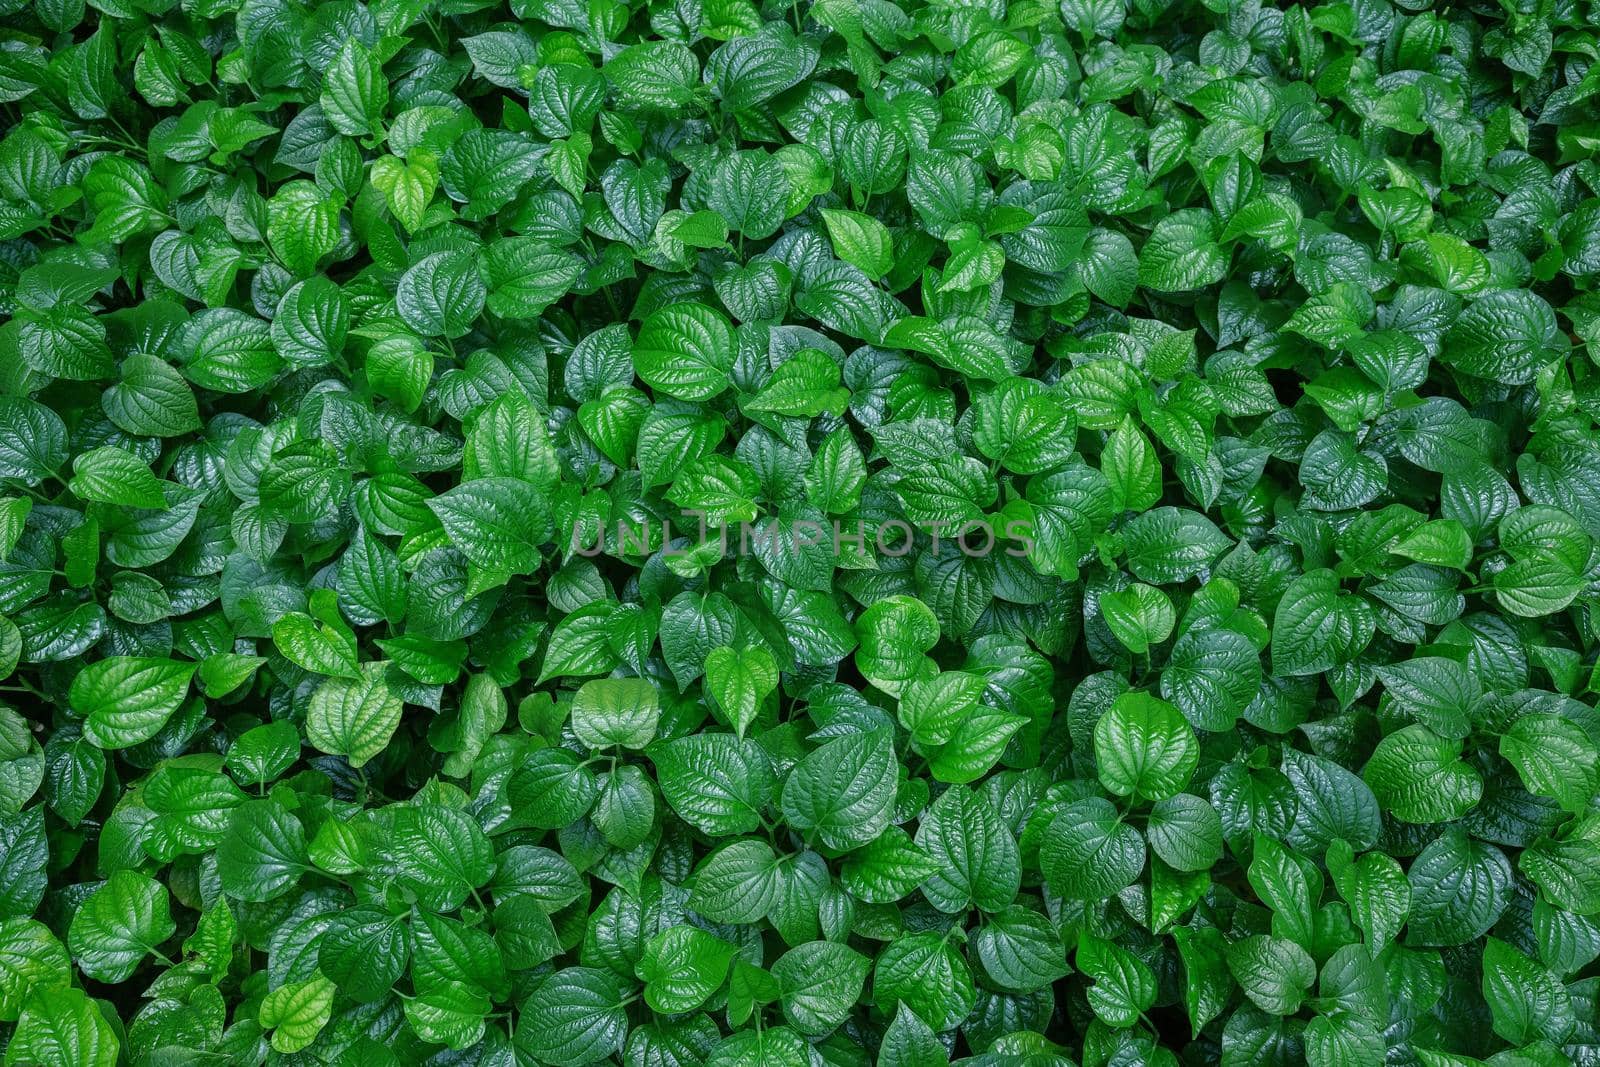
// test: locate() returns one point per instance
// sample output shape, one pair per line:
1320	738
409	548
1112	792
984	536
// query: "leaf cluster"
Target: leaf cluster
417	421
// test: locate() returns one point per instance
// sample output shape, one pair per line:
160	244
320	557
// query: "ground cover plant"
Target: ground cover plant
479	497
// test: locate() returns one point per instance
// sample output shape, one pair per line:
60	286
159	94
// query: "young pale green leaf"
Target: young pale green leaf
860	239
296	1012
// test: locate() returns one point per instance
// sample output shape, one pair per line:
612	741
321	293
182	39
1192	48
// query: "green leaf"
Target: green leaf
263	853
616	711
354	717
861	240
1144	747
685	351
1504	336
926	974
24	854
575	1016
32	962
1212	676
909	1041
1181	253
1419	777
1276	974
1554	758
820	982
1129	463
1330	803
1526	1001
1088	853
715	782
302	228
1376	889
354	91
682	967
1123	986
1563	867
112	476
1284	886
1171	544
442	855
499	524
843	792
1343	1038
740	681
63	1028
525	276
894	633
888	868
1185	832
738	883
1139	616
441	294
1317	626
978	858
1020	950
128	699
1459	888
119	924
806	385
296	1012
552	789
1437	692
702	229
311	323
500	56
326	647
191	808
1208	984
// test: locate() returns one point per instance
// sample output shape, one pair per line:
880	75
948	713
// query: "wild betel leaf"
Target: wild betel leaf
848	533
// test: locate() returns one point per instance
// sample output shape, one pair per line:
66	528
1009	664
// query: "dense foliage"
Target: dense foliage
376	378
